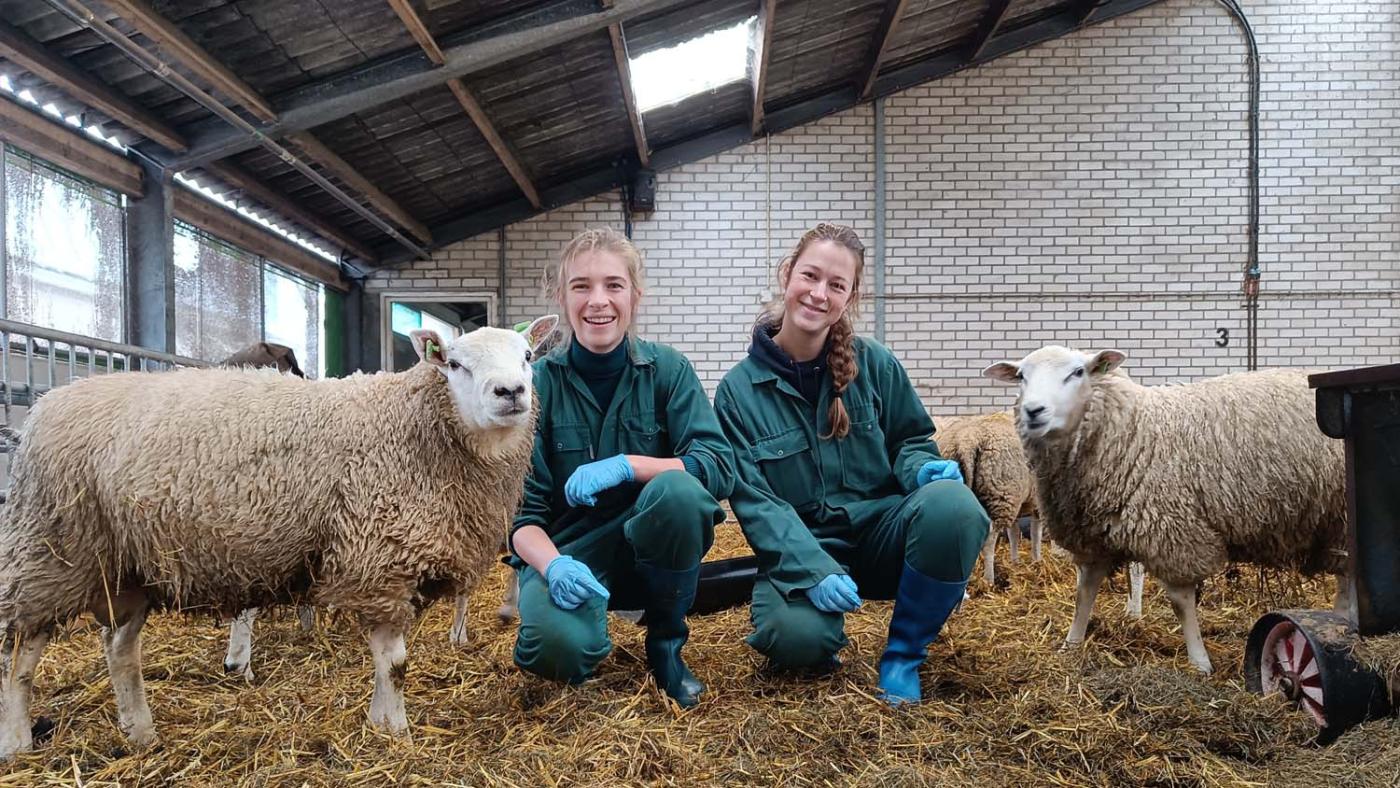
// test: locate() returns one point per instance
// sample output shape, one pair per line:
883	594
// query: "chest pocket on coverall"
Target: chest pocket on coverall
865	465
788	465
643	435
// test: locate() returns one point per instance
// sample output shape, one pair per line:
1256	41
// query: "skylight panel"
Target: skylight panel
666	76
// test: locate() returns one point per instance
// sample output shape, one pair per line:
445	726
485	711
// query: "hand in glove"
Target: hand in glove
571	583
835	594
934	470
587	481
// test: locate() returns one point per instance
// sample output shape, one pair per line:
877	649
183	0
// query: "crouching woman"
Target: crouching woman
841	492
623	495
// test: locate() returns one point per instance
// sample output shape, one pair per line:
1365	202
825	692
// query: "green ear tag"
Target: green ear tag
430	348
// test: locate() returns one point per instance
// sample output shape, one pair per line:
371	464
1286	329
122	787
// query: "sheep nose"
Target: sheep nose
1033	411
507	393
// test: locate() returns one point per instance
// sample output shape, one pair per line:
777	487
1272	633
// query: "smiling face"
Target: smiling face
599	298
820	287
1055	386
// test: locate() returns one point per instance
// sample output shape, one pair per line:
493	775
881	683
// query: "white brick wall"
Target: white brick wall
1090	191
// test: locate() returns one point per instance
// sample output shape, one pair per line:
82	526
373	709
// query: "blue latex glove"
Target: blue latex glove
835	594
934	470
571	583
587	481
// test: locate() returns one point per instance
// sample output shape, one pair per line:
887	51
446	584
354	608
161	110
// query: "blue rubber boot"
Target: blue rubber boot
921	606
670	593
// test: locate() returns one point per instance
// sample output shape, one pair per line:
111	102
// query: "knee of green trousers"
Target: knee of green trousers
562	645
793	634
946	530
673	522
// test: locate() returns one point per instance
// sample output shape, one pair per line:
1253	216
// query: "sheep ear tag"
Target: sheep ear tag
429	346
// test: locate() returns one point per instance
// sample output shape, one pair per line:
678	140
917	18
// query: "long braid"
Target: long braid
842	360
841	357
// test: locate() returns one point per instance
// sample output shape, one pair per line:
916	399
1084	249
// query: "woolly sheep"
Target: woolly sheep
371	494
539	334
1182	478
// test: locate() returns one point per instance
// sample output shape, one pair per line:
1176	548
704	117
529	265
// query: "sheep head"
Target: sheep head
487	372
1056	383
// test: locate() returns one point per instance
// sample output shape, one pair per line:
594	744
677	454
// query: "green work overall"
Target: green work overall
813	507
659	410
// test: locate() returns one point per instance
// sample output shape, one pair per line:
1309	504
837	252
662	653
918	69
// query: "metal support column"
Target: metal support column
878	259
150	235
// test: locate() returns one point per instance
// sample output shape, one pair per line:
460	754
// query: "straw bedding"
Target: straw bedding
1008	708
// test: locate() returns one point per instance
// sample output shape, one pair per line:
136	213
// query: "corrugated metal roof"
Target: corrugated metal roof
558	107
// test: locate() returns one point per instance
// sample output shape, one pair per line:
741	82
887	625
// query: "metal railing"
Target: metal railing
35	361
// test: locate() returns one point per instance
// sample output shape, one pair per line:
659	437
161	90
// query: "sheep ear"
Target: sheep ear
1105	361
429	347
540	329
1005	371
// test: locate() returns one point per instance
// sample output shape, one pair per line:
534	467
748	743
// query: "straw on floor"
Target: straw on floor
1007	708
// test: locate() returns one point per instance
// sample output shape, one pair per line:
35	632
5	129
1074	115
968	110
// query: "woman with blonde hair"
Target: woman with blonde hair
623	495
841	492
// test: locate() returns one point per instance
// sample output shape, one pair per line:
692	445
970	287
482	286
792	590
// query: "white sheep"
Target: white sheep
1182	478
540	335
221	489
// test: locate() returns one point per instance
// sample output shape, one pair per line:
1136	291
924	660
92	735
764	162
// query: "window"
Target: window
293	315
666	76
65	250
218	305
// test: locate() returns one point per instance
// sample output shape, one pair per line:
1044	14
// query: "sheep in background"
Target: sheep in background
1182	478
374	495
265	354
994	466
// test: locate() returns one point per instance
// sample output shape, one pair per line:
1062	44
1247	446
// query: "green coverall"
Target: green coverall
811	507
659	410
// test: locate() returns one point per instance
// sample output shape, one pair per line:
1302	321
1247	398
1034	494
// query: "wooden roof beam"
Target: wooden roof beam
17	47
64	145
274	200
880	45
332	163
1085	11
624	76
192	56
758	65
420	33
471	51
493	138
987	27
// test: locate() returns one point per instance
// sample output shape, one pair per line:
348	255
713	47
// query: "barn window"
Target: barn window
65	249
294	315
666	76
218	302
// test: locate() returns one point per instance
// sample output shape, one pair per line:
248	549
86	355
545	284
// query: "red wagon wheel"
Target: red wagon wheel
1288	665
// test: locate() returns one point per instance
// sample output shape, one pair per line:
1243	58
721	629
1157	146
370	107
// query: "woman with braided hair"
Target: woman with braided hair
841	492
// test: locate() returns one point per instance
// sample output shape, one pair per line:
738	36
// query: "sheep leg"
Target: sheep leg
1088	579
386	709
1036	536
989	558
1136	572
121	641
458	635
19	655
306	614
239	658
1013	537
510	608
1183	599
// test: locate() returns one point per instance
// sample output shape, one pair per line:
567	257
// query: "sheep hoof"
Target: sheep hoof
506	613
1204	667
458	637
142	736
1071	645
234	669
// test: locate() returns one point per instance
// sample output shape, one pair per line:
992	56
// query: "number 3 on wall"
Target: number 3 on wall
1222	337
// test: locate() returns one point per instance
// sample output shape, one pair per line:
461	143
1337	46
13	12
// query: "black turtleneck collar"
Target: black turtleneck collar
805	376
601	371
